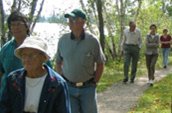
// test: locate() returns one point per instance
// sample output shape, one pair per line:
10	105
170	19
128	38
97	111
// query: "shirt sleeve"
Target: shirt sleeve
100	57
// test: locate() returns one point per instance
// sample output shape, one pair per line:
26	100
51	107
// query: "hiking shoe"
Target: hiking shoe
165	67
132	81
125	81
151	84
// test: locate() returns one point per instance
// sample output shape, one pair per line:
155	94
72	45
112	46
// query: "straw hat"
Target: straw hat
33	42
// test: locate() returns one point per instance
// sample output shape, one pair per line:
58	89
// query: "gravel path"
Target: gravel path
120	98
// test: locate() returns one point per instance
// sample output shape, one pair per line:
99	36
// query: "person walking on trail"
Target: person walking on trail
36	88
165	41
80	60
131	45
152	45
18	25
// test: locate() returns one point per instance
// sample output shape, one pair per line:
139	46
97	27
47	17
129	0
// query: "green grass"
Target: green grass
157	99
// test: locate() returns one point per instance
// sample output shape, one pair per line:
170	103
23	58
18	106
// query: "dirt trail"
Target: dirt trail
119	98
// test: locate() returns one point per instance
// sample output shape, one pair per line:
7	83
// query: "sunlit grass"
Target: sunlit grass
157	99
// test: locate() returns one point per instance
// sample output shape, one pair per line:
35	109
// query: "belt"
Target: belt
80	84
28	112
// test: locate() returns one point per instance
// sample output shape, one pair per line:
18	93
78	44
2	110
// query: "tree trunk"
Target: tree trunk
14	6
88	17
101	23
112	48
2	28
19	6
122	22
138	9
31	14
37	16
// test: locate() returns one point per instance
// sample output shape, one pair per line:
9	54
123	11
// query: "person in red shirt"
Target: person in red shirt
165	41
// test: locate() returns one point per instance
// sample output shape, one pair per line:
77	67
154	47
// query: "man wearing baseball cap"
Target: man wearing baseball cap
80	61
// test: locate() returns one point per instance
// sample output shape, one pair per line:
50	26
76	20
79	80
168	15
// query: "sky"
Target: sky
52	6
59	6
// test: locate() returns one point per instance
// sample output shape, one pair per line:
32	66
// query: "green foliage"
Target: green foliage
169	10
153	14
157	99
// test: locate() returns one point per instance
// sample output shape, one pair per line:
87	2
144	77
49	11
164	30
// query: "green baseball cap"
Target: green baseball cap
76	13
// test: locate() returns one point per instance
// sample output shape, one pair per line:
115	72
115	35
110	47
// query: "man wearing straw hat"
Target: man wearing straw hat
36	88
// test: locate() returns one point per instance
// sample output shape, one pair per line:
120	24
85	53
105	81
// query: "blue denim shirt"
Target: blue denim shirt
54	96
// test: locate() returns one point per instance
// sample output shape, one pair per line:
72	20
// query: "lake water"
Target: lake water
51	32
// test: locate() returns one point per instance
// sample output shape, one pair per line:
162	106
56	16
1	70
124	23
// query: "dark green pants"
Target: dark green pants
131	56
150	64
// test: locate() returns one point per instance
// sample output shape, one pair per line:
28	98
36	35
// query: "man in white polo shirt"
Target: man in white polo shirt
131	45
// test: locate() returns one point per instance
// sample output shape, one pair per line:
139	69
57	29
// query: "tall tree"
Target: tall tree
110	27
34	20
121	8
2	25
101	23
138	9
89	14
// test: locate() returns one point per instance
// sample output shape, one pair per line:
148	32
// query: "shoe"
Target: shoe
151	84
125	81
165	67
132	81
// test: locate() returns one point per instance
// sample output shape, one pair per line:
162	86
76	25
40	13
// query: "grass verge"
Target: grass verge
157	99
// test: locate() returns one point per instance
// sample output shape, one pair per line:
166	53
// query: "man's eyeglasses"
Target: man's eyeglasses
30	56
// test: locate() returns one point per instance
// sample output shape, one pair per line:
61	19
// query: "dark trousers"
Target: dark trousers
131	55
150	64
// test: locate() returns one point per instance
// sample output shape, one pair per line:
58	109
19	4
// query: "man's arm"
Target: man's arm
99	71
58	68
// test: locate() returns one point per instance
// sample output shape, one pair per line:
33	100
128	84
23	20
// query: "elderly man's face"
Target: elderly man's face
132	26
76	23
32	59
